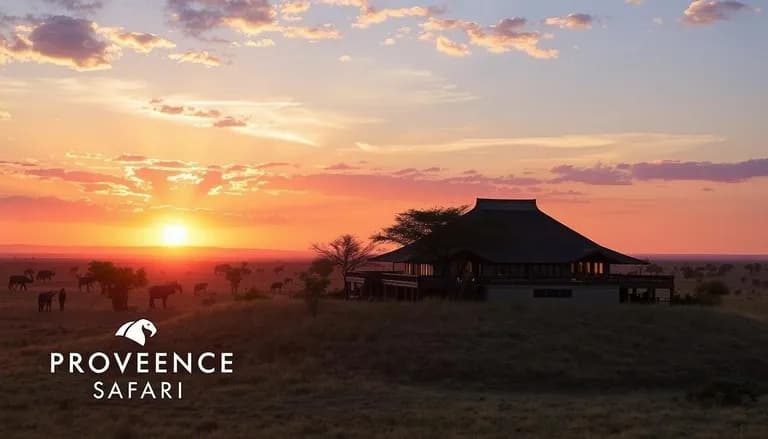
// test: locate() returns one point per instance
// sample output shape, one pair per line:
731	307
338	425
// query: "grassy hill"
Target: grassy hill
403	370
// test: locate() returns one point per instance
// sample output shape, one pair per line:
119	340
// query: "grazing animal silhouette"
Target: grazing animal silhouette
45	275
277	286
221	269
44	301
86	281
202	287
62	299
29	272
135	330
19	281
162	292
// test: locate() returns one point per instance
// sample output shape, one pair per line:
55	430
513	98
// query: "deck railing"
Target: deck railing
630	280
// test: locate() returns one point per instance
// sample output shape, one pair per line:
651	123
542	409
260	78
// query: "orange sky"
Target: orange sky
290	122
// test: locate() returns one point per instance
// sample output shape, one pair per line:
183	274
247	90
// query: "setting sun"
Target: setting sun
174	235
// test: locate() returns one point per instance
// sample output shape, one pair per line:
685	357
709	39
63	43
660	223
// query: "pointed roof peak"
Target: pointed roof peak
506	204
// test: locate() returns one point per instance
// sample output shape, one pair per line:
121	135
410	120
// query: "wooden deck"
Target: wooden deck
413	287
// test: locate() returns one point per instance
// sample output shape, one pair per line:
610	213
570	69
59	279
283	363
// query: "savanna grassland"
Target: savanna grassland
430	369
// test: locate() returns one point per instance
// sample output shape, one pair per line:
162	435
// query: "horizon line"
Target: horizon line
52	250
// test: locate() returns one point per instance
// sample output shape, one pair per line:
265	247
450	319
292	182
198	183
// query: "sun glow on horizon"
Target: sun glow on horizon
174	235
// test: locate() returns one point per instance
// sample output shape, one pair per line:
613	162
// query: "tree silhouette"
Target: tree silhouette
423	226
316	282
101	272
221	269
724	269
345	252
116	282
753	268
234	276
710	293
414	224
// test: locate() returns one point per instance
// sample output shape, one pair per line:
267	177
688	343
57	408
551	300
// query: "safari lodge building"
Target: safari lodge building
509	249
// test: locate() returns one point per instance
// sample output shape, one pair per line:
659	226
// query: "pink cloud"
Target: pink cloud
710	11
576	21
508	34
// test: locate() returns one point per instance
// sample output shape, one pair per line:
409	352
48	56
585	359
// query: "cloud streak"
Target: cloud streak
572	141
78	6
198	18
574	21
196	57
504	36
625	174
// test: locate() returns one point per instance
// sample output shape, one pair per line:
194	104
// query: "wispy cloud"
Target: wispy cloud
280	119
197	57
450	47
78	6
421	86
369	14
261	43
251	17
578	21
504	36
600	140
141	42
625	174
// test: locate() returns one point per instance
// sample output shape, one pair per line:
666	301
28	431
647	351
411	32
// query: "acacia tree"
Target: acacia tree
235	275
422	225
117	282
724	269
347	253
101	272
414	224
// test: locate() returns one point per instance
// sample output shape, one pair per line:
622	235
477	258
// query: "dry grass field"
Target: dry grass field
394	370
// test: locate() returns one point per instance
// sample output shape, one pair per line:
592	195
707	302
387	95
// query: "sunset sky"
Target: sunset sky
274	124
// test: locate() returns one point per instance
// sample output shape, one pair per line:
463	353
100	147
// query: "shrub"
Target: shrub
711	292
252	294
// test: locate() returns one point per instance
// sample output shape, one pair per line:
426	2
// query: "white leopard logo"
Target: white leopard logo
134	330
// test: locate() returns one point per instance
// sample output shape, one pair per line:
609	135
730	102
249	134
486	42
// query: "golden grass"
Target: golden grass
390	370
400	370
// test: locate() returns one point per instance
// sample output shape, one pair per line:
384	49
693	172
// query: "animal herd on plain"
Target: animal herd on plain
159	292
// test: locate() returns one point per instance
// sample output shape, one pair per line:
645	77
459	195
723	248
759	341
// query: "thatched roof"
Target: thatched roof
507	231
